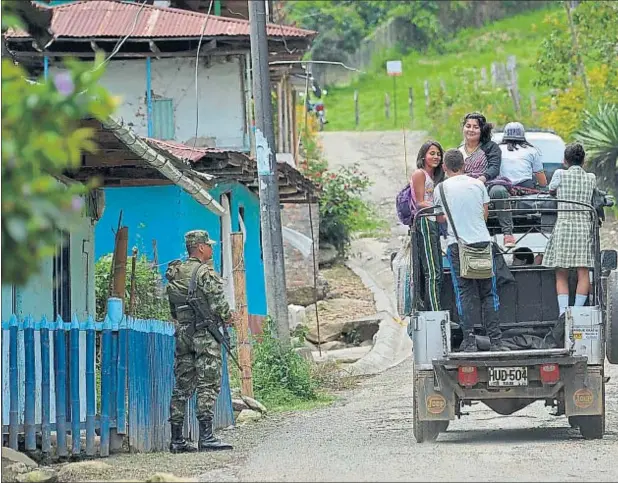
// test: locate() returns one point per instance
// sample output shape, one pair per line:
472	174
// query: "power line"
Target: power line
197	93
121	42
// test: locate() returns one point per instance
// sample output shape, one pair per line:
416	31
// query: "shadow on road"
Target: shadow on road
509	436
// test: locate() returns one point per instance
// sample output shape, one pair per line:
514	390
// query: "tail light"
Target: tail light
467	375
319	107
550	373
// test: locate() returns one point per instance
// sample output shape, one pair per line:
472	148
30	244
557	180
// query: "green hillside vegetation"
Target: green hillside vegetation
471	49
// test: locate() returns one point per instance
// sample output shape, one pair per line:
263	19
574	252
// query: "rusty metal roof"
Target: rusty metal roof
184	152
113	18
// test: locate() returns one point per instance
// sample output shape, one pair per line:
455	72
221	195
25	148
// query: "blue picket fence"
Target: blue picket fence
136	383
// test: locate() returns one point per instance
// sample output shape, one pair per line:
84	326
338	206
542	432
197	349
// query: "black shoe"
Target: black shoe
497	345
469	344
207	441
179	444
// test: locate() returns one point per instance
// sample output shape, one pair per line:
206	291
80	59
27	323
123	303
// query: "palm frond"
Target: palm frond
599	136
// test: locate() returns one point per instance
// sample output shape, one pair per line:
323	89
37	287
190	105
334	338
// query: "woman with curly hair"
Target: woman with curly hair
482	156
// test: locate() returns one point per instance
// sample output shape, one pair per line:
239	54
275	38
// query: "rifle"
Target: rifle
206	317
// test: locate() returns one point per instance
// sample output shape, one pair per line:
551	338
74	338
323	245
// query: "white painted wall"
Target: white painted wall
221	98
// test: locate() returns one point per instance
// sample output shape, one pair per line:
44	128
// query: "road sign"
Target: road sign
394	68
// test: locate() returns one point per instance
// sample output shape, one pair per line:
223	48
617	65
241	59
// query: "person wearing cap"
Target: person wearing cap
522	167
197	365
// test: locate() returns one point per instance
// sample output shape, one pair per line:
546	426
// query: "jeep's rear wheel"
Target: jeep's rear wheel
424	431
593	427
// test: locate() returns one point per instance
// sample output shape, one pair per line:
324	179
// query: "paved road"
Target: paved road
367	436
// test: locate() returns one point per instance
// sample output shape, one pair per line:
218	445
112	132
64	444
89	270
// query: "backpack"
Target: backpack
406	205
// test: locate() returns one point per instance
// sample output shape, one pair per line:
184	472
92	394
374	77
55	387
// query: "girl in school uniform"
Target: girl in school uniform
570	245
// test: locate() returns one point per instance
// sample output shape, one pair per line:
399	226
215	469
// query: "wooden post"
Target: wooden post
411	103
356	110
387	106
132	291
533	105
426	85
484	75
290	128
294	127
155	254
443	86
120	263
241	319
280	114
511	67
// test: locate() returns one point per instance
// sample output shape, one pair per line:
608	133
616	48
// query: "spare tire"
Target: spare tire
611	339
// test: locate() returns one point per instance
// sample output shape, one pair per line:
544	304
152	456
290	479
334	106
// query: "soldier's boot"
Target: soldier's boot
179	444
207	441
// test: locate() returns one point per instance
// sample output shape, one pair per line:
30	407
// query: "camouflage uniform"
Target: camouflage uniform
198	356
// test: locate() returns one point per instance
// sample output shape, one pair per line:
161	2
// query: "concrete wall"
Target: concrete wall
165	213
299	271
221	97
36	297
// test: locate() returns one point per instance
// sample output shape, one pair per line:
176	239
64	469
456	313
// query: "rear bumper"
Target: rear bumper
580	386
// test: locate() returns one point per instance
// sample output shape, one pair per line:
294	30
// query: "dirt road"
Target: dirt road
367	436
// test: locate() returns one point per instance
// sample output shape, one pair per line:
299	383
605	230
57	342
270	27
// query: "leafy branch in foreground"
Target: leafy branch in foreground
41	140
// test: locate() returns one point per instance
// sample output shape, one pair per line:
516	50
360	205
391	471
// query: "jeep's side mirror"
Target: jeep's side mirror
609	260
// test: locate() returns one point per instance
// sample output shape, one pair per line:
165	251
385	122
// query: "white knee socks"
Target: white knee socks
580	300
563	302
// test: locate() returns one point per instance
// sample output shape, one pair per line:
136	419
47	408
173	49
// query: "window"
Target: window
62	280
163	119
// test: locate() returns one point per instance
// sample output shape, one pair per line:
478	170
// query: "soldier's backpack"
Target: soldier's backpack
406	205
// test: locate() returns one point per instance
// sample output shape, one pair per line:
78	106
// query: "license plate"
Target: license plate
508	376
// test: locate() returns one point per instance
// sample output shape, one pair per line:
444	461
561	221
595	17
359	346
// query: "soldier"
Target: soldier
198	355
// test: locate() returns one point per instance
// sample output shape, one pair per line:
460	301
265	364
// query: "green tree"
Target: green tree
41	139
597	35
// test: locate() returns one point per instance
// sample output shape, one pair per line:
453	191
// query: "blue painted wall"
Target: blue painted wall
165	213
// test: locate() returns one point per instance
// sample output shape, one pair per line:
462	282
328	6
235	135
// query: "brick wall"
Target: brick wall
298	269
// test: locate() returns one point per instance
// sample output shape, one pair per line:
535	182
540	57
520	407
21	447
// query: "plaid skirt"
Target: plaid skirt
570	244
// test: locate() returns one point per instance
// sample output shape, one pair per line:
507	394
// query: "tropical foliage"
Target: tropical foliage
41	139
599	136
150	300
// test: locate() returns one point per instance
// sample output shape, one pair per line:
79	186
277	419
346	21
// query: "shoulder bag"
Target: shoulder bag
474	263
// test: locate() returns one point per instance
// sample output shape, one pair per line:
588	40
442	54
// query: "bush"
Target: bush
280	377
342	209
150	299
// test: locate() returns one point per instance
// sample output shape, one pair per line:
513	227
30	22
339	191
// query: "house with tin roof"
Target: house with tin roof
186	86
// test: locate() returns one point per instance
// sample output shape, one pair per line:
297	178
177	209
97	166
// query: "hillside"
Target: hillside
520	35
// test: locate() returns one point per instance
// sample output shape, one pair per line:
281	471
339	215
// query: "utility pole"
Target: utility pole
270	208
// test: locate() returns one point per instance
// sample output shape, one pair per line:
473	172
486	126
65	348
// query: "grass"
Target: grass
520	35
367	223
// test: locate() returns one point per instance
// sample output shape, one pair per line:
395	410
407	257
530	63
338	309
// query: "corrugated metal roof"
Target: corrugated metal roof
113	18
184	152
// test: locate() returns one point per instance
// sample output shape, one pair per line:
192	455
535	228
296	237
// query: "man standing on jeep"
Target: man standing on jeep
197	364
468	203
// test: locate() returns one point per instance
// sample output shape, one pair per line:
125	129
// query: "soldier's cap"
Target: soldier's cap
514	131
195	237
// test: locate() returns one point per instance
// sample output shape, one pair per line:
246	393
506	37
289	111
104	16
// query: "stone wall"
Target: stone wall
298	267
